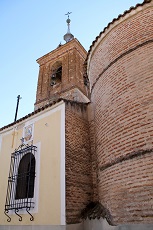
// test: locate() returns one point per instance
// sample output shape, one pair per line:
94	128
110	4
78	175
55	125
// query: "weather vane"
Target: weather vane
68	13
68	36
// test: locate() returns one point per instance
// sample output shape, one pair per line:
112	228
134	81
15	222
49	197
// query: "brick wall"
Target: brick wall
120	69
78	162
126	188
94	163
124	34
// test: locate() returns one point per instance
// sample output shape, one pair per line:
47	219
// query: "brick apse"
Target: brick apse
120	71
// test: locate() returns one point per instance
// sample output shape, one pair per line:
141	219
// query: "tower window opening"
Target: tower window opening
56	76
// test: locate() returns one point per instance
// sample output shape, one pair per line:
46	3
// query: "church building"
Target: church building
83	159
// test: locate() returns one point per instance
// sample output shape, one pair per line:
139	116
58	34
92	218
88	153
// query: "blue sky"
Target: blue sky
32	28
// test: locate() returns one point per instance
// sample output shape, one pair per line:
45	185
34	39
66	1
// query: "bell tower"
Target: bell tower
61	72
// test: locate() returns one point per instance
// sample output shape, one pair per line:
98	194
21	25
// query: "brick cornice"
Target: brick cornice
61	50
114	22
126	158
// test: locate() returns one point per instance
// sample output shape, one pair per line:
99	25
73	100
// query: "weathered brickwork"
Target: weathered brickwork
71	56
128	189
78	162
74	95
94	163
120	70
125	34
124	109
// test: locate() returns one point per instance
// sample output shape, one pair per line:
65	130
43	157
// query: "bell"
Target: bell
53	76
53	83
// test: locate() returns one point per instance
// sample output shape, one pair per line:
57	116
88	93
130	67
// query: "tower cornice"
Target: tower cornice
62	49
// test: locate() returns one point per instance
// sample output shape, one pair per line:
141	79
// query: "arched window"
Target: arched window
56	73
21	181
25	177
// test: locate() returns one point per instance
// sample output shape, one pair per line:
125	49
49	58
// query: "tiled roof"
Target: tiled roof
41	109
114	20
95	210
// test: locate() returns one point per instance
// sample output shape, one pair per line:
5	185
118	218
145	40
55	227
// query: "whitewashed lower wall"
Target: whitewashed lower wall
102	224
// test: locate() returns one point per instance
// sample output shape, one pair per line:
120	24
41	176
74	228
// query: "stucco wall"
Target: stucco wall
49	136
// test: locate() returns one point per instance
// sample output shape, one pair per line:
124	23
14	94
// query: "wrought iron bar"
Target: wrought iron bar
20	217
31	218
6	213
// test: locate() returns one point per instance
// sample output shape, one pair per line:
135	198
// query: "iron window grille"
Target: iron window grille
21	180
